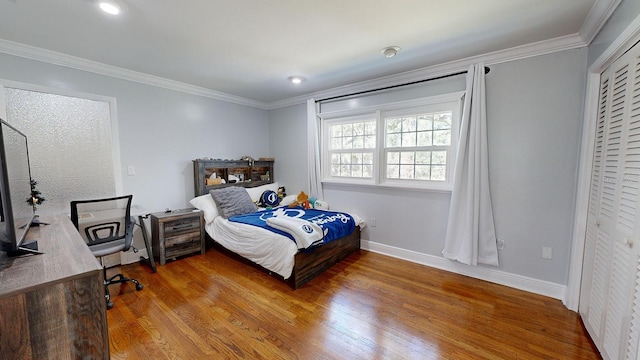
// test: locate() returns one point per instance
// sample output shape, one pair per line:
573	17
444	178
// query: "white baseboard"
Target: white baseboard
541	287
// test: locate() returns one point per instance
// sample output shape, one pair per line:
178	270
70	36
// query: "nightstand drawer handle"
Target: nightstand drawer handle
182	226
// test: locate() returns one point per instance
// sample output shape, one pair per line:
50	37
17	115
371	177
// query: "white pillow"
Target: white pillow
288	199
255	192
207	205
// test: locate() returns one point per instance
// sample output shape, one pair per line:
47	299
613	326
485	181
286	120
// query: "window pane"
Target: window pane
409	124
356	158
345	170
424	138
367	171
425	122
335	170
347	129
345	158
358	129
336	143
370	127
347	142
367	158
408	139
370	142
442	137
406	172
407	157
442	121
438	172
335	131
358	142
439	157
393	157
393	125
356	171
335	158
423	172
393	140
423	157
393	171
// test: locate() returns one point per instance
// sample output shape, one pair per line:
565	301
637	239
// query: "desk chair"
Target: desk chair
107	227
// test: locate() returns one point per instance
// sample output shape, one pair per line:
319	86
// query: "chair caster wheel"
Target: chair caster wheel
109	305
139	287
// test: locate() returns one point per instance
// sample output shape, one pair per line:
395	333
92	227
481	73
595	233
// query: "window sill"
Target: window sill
444	188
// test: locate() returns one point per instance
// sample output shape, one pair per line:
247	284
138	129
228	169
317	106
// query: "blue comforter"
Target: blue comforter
334	224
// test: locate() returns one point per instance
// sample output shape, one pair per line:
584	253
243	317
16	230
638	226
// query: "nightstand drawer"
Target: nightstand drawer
181	225
183	248
170	241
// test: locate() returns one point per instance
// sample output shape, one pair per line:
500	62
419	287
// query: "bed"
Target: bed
273	252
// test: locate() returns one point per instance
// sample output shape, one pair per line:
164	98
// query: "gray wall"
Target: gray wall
161	130
534	109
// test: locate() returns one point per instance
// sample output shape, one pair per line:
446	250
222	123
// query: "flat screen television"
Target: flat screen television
15	188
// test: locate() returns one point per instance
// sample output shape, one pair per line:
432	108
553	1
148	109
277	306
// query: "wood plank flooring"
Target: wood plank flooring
369	306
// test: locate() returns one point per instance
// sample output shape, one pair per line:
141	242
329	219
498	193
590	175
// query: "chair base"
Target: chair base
116	279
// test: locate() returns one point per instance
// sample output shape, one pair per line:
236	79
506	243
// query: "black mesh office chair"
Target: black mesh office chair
107	227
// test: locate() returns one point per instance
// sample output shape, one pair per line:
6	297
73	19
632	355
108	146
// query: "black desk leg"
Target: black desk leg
152	263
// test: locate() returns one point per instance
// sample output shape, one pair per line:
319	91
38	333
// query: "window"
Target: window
408	144
352	143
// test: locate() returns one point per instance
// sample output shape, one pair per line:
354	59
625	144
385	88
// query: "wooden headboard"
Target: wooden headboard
253	172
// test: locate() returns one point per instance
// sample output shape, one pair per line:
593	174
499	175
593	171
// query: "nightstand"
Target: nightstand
177	233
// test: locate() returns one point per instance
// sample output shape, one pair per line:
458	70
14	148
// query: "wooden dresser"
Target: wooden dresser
52	305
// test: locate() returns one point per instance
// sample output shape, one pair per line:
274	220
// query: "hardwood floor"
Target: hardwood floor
369	306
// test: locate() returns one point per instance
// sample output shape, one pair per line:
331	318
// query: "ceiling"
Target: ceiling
246	49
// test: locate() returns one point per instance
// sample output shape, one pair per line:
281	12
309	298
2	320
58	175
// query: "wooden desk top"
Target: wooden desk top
66	256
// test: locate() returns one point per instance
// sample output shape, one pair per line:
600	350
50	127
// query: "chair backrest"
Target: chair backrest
102	221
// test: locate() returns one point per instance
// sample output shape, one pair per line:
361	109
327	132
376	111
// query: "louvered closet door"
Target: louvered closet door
610	293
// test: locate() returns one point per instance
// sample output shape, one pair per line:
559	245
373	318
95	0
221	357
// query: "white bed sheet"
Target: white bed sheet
272	251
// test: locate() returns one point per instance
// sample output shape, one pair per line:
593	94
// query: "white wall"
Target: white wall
626	12
534	123
288	140
161	130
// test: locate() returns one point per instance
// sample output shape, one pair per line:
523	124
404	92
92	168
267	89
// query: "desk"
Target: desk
52	305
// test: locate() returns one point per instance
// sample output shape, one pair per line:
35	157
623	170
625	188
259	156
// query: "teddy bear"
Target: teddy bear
302	200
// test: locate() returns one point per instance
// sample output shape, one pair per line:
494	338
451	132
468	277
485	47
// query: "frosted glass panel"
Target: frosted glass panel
69	146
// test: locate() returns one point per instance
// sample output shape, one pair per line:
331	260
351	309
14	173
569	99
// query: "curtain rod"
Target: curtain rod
486	71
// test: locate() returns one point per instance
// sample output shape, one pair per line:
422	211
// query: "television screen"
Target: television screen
15	186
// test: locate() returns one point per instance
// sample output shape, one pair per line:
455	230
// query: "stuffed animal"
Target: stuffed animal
281	193
302	200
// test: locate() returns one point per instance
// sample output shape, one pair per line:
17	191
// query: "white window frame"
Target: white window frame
446	102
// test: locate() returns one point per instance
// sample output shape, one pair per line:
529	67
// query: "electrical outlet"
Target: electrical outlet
131	170
373	222
546	253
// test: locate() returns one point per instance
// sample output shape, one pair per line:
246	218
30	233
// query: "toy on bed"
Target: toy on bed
301	201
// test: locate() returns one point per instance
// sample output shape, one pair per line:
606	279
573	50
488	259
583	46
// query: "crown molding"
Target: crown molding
568	42
597	17
56	58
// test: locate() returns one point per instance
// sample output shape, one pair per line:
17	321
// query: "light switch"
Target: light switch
131	170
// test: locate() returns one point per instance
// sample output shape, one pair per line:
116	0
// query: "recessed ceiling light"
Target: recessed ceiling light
296	79
110	7
390	51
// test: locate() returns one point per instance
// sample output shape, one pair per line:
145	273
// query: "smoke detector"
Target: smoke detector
390	51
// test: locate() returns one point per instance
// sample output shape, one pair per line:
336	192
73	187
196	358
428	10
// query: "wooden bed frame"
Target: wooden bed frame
307	264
